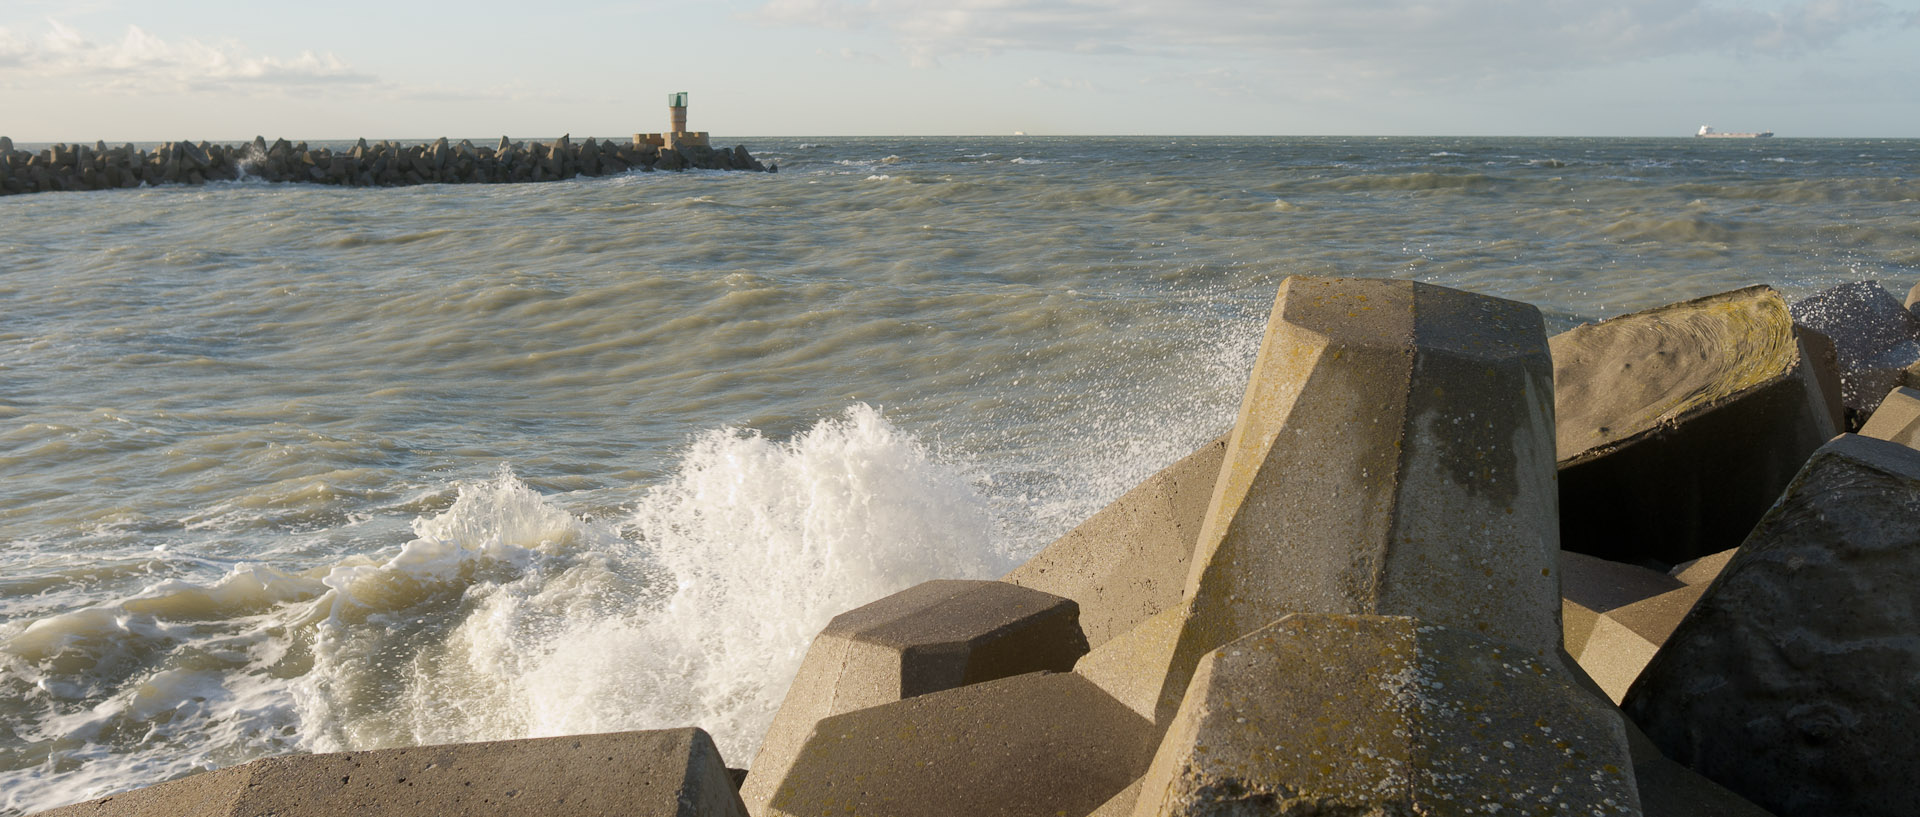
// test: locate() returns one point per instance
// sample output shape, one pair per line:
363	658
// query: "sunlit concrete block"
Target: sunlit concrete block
934	636
1337	715
1678	426
1591	587
665	773
1897	419
1393	455
1130	560
1038	745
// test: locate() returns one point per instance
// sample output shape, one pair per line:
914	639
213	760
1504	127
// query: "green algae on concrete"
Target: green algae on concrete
1325	715
1393	455
1679	425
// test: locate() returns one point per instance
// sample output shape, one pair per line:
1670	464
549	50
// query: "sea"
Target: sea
293	468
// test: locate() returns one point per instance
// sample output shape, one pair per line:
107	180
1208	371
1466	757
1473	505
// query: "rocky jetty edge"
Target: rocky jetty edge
378	164
1442	564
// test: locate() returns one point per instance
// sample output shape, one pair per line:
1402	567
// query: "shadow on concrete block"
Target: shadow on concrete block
1791	682
1678	426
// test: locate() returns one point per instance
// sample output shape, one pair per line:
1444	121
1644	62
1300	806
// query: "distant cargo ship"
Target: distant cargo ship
1707	132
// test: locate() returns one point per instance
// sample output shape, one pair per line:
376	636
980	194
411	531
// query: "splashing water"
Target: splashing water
506	617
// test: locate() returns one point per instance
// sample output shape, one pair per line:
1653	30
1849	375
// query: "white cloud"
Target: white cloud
1433	40
139	61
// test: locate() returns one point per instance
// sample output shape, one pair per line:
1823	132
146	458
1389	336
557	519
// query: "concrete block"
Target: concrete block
1393	455
1590	587
1876	337
1792	681
1348	715
1678	426
668	773
1897	419
1043	745
1625	638
1704	570
1130	560
934	636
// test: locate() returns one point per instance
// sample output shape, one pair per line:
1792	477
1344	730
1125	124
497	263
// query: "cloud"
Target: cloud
141	62
1427	40
1075	84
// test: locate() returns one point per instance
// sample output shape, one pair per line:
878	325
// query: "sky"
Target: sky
81	70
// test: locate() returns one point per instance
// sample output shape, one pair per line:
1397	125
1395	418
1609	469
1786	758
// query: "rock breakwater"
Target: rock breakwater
376	164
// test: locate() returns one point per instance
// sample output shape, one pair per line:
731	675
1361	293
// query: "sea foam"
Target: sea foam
506	616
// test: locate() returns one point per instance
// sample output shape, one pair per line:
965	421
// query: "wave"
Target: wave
504	616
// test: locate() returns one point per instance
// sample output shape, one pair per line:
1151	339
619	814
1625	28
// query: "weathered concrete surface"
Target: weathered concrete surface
1792	681
1129	561
1393	455
1897	419
1591	586
931	637
1350	715
1036	745
1678	426
668	773
1876	337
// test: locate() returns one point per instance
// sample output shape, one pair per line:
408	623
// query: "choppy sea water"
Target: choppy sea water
295	468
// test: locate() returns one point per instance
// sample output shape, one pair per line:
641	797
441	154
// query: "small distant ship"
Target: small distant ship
1707	132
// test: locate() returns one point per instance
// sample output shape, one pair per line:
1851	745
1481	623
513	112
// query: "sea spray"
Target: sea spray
695	610
503	617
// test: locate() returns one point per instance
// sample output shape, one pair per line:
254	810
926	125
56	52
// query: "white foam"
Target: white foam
505	616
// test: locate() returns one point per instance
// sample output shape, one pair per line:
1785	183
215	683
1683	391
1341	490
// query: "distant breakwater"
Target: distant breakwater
378	164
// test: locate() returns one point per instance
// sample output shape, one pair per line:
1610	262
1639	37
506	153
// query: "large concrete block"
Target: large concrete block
931	637
1037	745
1393	455
1897	419
665	773
1875	335
1324	715
1678	426
1130	560
1793	680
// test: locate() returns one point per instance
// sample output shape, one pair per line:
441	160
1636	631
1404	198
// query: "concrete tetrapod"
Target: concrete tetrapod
1897	419
1591	586
1038	745
1393	455
1617	616
1875	336
664	773
1129	561
934	636
1334	715
1791	682
1679	425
